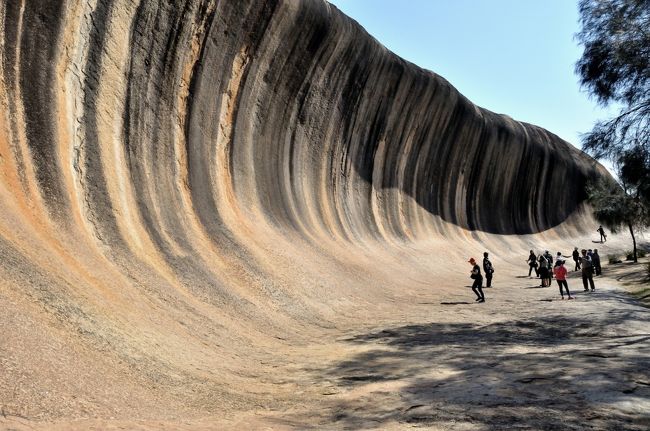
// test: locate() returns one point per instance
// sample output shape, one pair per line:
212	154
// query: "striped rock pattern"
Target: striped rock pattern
186	182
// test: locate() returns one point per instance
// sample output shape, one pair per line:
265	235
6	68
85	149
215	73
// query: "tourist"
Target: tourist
601	231
560	275
559	258
587	271
543	270
477	286
488	269
549	258
576	258
532	264
595	258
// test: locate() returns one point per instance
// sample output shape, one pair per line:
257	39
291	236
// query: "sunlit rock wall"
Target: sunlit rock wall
167	169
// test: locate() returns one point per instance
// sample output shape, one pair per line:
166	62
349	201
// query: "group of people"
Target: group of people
546	268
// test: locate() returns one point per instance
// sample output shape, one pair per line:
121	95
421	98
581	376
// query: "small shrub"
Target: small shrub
612	258
629	255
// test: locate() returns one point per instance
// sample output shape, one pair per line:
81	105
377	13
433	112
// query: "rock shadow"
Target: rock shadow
559	372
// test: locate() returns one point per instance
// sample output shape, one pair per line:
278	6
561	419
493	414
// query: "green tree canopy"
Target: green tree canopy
615	68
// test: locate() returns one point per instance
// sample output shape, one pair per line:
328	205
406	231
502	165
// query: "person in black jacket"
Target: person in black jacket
488	269
477	286
576	258
532	264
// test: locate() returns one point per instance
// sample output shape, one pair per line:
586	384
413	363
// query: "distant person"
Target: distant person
587	271
475	275
543	270
549	258
576	258
559	257
488	269
560	276
595	258
603	235
532	264
590	253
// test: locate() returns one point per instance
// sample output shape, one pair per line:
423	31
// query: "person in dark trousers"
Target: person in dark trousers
488	269
477	286
587	271
560	276
532	264
549	258
576	258
603	235
543	271
595	258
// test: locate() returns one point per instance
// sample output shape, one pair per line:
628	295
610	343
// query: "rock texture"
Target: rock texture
187	185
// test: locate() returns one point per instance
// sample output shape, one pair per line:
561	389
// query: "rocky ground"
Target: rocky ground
525	359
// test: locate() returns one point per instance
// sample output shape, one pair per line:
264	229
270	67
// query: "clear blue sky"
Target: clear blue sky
514	57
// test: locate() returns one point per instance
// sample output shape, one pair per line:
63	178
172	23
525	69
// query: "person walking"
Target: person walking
488	269
560	276
587	271
477	286
576	258
603	235
595	258
532	264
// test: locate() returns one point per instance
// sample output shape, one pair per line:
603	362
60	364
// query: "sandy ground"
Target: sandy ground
525	359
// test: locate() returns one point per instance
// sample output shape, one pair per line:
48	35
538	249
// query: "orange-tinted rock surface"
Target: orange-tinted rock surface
186	185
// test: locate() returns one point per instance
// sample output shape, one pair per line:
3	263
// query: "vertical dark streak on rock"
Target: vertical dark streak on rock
9	63
102	215
38	55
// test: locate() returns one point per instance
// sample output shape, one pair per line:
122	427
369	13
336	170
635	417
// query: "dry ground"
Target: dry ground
523	360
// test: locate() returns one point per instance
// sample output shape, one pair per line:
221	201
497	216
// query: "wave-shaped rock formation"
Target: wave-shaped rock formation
186	184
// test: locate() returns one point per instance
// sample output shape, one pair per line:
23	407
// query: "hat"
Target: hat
472	260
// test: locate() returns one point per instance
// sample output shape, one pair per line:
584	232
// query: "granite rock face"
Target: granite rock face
177	158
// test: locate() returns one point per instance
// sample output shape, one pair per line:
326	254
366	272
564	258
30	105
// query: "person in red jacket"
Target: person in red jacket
560	275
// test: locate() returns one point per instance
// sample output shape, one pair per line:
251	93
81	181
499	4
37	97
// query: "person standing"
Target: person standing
587	271
532	264
595	258
488	269
576	258
602	233
549	258
559	258
560	276
543	270
477	286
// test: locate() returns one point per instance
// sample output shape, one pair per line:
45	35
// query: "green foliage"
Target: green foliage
641	252
614	208
615	68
